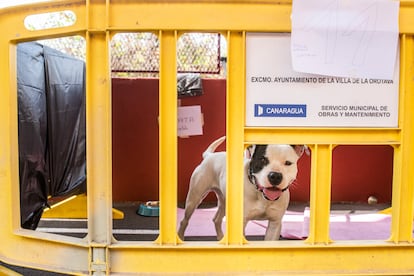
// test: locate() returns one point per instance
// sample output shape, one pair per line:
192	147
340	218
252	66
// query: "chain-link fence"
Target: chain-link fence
138	54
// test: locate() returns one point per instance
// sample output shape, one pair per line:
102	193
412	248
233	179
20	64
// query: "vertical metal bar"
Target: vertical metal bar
403	182
9	171
396	193
99	146
320	194
235	114
99	136
168	138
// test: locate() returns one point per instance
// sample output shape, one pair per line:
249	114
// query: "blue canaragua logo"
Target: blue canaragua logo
280	110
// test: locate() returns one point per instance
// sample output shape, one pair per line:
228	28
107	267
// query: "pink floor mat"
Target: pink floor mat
344	225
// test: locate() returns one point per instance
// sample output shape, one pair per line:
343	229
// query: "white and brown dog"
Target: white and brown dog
268	173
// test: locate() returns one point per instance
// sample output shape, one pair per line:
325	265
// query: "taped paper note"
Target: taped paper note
190	121
346	38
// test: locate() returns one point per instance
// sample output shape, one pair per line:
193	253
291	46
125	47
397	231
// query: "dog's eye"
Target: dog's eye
264	161
288	163
258	163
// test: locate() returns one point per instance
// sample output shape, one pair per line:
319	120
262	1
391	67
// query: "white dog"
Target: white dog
268	173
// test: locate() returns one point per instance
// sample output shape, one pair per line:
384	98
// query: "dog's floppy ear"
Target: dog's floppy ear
300	149
248	153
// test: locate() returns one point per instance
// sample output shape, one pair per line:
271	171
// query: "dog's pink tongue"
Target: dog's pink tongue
272	193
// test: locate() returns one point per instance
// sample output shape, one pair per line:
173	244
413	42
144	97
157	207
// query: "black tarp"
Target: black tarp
189	85
52	142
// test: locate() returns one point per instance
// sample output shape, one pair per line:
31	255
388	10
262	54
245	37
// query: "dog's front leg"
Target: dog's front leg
273	230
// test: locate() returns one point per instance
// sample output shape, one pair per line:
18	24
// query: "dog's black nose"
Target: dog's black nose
275	178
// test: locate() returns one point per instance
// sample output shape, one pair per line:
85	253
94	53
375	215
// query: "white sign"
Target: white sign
347	38
189	120
278	96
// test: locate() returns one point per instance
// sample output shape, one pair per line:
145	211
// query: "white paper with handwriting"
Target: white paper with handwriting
346	38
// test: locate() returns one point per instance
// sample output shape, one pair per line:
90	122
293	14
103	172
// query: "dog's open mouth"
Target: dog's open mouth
272	193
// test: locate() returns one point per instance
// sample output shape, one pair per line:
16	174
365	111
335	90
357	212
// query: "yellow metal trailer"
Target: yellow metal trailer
99	253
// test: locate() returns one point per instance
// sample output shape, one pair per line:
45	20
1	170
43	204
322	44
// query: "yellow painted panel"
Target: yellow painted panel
343	136
99	253
74	207
207	16
273	258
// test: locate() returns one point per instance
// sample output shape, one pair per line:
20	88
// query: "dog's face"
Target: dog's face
274	167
